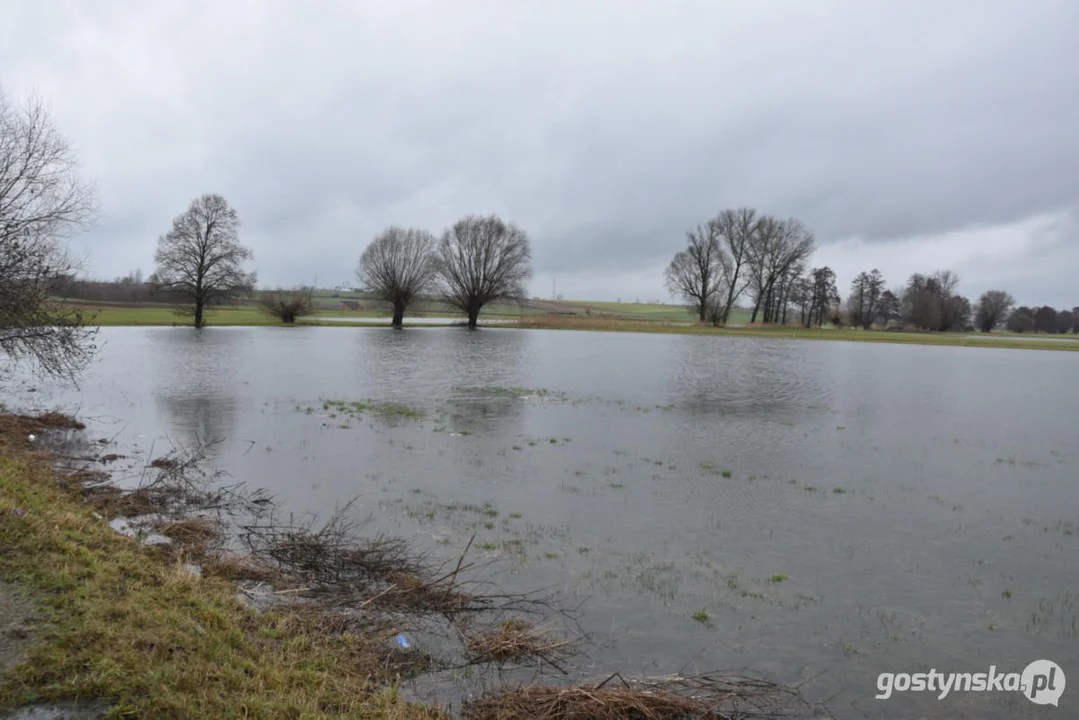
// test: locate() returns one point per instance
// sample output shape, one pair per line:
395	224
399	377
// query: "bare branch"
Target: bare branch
398	266
42	200
698	273
288	305
200	258
482	260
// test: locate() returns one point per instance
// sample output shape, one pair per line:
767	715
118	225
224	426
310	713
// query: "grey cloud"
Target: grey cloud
604	128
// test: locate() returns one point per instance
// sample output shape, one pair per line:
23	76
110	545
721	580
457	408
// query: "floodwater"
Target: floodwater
414	320
839	510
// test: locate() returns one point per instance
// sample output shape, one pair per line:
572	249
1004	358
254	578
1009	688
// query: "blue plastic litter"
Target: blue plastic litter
402	641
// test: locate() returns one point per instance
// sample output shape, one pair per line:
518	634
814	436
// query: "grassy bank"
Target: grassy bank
1027	342
663	320
130	627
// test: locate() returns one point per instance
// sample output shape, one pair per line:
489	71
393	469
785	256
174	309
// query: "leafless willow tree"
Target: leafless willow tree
698	274
42	201
201	257
398	266
288	305
481	260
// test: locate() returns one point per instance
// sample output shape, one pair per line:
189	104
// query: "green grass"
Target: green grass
609	317
355	408
551	322
141	634
777	578
702	616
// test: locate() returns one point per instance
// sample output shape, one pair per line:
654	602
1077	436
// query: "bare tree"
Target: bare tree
398	266
864	301
1021	320
1045	319
42	201
992	309
823	295
738	229
1065	321
698	273
778	250
288	305
481	260
1075	320
888	308
930	303
200	258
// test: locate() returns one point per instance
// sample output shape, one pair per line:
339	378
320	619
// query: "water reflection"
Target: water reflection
198	381
199	417
914	499
740	377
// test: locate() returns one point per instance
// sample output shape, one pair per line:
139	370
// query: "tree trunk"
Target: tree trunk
473	316
198	313
702	311
730	295
756	308
398	315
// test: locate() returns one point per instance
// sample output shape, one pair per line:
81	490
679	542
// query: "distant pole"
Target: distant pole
554	288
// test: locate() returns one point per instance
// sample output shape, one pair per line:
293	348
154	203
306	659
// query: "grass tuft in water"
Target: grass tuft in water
777	578
702	616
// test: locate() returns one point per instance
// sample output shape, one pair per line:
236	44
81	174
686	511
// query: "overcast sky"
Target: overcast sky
909	136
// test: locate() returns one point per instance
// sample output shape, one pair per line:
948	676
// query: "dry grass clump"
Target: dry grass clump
515	639
178	487
153	640
240	567
16	429
197	536
334	566
59	421
706	697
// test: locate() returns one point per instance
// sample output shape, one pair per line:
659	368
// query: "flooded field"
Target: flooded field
817	512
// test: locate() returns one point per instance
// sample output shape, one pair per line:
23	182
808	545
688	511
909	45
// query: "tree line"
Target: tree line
742	254
476	261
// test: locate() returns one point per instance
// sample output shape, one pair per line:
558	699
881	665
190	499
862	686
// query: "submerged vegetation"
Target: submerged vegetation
131	626
238	607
